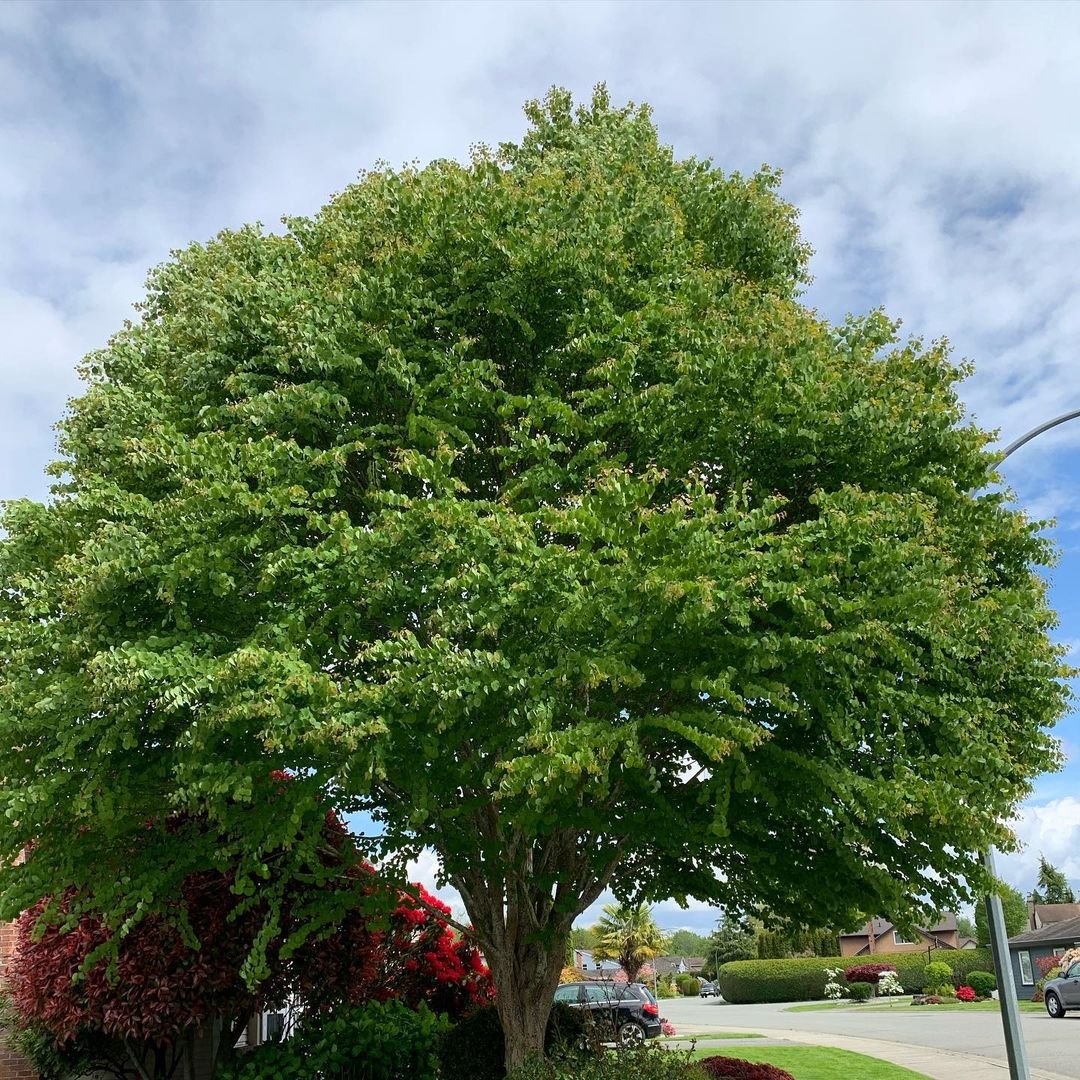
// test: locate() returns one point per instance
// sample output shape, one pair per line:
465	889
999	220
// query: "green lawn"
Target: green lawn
905	1003
819	1062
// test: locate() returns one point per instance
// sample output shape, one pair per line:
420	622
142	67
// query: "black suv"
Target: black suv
629	1008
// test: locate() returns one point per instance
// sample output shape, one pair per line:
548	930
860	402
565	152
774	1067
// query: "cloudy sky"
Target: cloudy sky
932	148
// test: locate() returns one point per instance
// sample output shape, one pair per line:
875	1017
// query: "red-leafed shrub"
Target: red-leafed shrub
867	973
163	990
1046	964
965	993
737	1069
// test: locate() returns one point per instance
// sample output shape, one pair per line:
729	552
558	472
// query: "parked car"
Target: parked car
708	989
1063	993
630	1009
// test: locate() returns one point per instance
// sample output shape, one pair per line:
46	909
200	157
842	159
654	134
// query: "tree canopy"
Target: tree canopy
524	504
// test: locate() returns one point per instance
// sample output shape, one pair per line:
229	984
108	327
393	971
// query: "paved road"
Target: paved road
1053	1045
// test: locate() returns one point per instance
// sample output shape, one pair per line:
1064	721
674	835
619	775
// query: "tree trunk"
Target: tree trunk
526	977
522	900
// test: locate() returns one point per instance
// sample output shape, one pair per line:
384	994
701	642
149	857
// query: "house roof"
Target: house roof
1055	913
882	926
1065	932
666	965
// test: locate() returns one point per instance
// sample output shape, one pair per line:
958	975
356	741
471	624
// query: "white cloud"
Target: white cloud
1050	829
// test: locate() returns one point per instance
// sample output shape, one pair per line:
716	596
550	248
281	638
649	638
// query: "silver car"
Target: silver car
1063	993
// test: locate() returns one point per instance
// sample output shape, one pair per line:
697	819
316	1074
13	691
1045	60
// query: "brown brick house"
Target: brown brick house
881	936
12	1066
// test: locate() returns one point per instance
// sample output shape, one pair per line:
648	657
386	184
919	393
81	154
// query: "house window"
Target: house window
899	939
1025	968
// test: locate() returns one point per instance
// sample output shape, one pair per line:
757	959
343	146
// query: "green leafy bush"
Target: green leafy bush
982	982
379	1040
646	1061
474	1048
1040	986
861	991
665	988
803	978
688	985
938	977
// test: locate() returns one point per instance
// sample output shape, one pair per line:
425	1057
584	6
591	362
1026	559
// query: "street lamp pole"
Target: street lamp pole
1015	1049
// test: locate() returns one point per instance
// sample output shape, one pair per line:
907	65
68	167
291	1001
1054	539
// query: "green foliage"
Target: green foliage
687	943
688	985
583	937
965	927
1014	908
733	939
489	497
646	1061
1053	886
33	1041
374	1041
982	982
938	977
777	944
629	934
860	991
665	987
474	1048
804	978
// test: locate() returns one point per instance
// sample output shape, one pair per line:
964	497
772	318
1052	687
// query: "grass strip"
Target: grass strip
818	1062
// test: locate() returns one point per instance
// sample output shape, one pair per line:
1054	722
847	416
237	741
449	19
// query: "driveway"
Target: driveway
1053	1045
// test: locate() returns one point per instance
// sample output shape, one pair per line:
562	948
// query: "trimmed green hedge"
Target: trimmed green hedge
744	982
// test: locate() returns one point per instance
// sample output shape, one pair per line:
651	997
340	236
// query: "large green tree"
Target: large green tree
523	504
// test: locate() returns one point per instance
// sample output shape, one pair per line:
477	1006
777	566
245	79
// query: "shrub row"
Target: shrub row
744	982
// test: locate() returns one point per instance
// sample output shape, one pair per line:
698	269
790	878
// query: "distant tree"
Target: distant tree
627	933
583	937
796	941
1015	908
1053	886
966	927
687	943
733	939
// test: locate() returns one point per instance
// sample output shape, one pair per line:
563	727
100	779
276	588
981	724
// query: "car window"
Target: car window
597	993
567	993
1074	971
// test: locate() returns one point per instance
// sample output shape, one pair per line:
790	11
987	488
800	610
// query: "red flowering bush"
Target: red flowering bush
413	957
965	993
867	973
737	1069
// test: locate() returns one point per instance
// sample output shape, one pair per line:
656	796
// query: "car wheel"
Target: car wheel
1054	1006
630	1034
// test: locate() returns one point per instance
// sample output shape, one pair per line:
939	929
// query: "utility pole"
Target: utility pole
1015	1050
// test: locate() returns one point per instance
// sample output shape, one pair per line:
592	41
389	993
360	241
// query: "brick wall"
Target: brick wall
12	1067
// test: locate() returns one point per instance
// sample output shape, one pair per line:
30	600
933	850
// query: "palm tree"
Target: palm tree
627	933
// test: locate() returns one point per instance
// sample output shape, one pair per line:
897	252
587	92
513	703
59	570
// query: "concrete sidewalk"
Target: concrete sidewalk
937	1064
